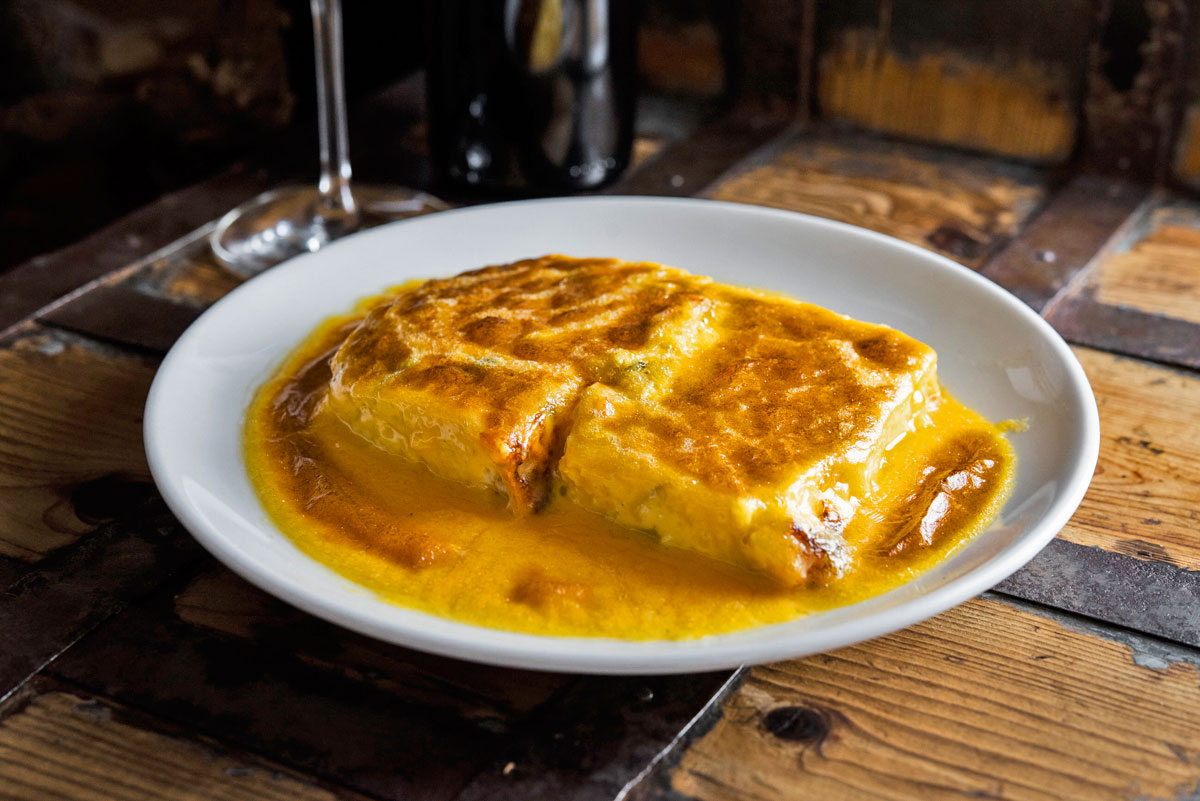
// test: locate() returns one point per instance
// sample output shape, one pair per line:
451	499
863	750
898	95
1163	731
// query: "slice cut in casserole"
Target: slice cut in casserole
757	449
477	376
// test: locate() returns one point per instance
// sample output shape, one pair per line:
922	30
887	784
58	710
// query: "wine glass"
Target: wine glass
288	221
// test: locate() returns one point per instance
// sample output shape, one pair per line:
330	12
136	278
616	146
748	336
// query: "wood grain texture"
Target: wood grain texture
221	657
1022	109
988	700
83	524
1158	273
960	206
1061	241
257	696
59	746
597	737
1145	498
70	413
1003	78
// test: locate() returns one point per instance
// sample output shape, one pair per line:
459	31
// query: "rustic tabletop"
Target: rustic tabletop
134	666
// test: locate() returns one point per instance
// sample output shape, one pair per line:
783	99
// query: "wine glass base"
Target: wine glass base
290	221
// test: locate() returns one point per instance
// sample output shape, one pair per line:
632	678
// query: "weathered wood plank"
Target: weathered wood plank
46	279
257	696
949	98
1083	321
56	744
58	600
1063	238
1129	555
1141	294
80	523
1155	266
71	413
988	700
1136	593
138	305
242	667
1145	498
961	206
1160	275
125	316
1000	78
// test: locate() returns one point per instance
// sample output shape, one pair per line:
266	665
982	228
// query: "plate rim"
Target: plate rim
447	637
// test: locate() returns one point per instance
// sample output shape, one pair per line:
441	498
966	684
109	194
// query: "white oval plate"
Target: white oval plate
994	353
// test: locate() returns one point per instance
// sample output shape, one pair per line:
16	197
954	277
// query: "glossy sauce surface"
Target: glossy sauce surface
428	544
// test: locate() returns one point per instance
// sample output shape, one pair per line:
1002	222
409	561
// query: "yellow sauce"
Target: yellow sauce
424	543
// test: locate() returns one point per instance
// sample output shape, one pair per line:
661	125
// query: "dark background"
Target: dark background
107	104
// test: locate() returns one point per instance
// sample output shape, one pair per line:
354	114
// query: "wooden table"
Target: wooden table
133	666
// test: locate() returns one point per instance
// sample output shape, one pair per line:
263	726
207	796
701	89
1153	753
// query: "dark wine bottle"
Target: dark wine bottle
532	93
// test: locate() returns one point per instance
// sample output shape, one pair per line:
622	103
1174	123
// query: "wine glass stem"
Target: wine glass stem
331	108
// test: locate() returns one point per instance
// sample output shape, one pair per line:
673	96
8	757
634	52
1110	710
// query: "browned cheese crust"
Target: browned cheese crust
506	350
